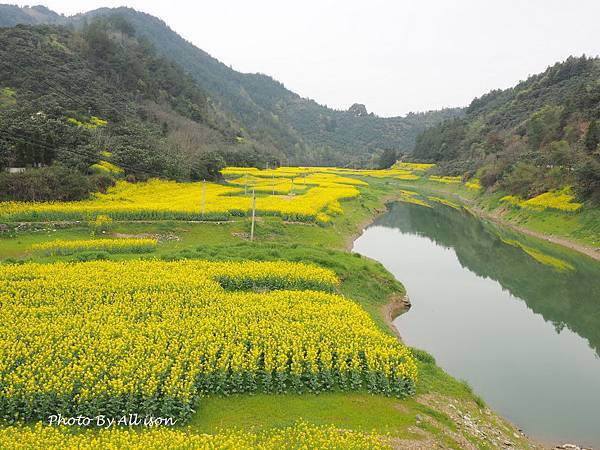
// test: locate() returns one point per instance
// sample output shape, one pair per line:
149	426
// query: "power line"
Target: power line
76	152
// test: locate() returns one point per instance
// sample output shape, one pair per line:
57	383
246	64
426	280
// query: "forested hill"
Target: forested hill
101	100
309	132
540	135
300	130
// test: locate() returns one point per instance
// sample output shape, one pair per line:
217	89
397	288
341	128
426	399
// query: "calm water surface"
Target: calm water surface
524	334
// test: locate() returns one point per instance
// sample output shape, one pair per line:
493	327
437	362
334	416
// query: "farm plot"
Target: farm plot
152	337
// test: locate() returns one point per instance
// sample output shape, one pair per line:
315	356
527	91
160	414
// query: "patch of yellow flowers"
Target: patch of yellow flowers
444	201
92	123
299	198
299	436
561	200
412	197
150	337
413	167
446	179
108	167
67	247
394	172
474	184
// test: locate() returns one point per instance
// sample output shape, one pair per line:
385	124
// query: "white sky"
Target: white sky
393	56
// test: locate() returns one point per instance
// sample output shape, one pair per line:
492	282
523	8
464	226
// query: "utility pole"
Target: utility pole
203	196
253	215
273	184
246	185
292	188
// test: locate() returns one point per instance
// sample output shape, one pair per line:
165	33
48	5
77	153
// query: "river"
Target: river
517	318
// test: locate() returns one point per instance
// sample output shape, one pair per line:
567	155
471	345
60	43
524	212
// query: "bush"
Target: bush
521	179
102	182
422	356
489	175
587	173
47	184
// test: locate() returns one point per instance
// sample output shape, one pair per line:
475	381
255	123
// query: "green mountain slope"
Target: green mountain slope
299	129
102	94
540	135
306	131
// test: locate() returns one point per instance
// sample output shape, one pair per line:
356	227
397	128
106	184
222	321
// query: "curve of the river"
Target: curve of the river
517	318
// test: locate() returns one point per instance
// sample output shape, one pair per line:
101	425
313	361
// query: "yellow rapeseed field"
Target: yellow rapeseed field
159	199
299	436
67	247
446	179
294	193
561	200
150	337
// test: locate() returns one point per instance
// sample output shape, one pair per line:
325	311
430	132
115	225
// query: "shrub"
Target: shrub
46	184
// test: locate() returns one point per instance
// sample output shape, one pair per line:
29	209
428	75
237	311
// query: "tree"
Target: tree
46	184
207	167
387	159
588	178
30	137
100	46
560	153
120	24
592	138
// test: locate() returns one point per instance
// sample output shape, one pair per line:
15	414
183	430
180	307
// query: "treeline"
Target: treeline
76	98
540	135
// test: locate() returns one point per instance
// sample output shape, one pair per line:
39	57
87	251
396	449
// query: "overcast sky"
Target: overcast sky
393	56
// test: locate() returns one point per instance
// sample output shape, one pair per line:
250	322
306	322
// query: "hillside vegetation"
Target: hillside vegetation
296	129
541	135
100	100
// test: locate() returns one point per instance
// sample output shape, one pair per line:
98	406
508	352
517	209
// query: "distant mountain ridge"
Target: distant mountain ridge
300	129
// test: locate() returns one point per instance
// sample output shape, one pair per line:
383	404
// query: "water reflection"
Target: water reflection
569	297
517	318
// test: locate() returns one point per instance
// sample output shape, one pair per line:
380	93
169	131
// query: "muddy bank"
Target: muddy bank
397	304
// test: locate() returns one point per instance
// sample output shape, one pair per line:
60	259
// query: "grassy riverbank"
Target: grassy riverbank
444	411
